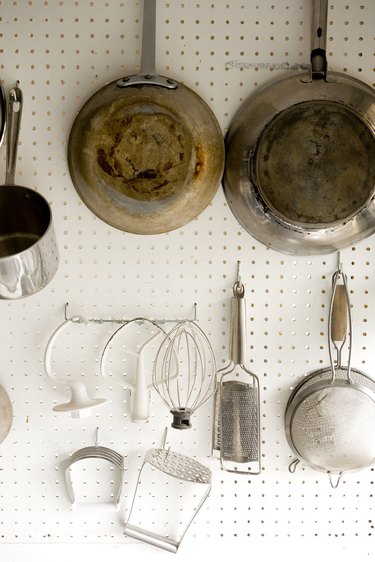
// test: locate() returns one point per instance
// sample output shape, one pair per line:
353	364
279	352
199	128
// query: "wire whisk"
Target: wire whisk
184	372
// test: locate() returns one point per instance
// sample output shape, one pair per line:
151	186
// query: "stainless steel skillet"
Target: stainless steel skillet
300	157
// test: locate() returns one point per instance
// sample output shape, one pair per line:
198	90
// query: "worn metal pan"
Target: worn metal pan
300	157
146	153
29	254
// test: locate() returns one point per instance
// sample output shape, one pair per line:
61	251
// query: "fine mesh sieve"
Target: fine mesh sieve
330	415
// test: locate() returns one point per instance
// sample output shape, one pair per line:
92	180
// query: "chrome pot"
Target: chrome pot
28	250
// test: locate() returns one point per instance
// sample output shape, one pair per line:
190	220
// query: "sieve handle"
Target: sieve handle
339	315
339	323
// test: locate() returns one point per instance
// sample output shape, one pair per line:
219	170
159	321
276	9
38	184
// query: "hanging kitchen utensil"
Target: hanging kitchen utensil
146	153
28	250
6	414
182	469
194	384
80	403
330	415
140	339
96	452
300	157
237	403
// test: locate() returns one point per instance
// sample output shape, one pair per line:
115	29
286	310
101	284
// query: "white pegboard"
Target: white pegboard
62	52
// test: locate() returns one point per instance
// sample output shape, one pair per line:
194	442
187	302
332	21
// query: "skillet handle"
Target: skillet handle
147	75
318	39
148	37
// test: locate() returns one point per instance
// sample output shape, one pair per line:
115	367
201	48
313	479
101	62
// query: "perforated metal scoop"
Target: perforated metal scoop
180	468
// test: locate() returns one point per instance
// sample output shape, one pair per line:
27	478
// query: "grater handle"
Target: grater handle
238	325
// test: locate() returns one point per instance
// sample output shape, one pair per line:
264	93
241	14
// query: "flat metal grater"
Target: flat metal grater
239	422
236	431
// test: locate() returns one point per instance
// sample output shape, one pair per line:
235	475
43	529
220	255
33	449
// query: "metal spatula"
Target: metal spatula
237	421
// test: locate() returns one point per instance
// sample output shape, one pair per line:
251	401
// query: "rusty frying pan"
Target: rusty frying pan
300	157
146	153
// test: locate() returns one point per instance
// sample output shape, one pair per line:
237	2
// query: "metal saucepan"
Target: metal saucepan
330	415
300	157
28	250
6	414
146	153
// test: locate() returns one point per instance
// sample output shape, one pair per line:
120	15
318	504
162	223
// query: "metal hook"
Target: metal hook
165	442
238	287
293	465
333	483
238	272
339	264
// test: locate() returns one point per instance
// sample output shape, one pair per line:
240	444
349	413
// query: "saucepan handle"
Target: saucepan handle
15	104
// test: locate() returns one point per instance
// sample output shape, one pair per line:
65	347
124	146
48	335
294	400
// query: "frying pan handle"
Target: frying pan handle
319	39
147	75
148	37
13	131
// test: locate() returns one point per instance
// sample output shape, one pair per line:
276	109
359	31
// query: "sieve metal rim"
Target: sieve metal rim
306	381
